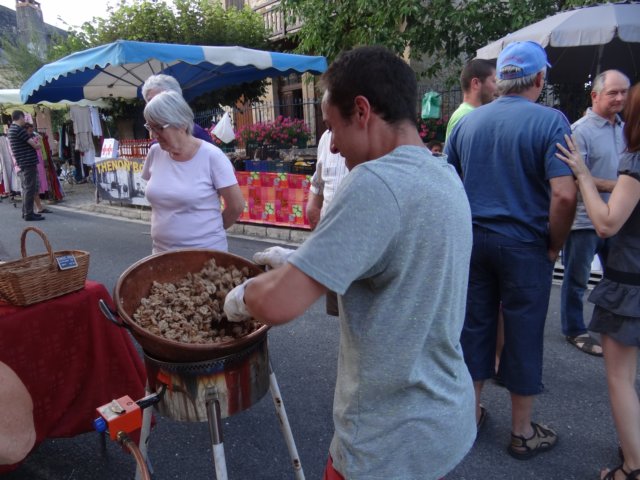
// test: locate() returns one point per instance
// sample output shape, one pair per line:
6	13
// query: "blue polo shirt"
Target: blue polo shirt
505	153
601	144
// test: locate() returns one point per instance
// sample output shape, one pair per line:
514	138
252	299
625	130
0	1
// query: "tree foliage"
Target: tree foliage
199	22
446	31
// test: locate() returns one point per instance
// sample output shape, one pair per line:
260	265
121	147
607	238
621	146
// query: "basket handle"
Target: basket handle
23	245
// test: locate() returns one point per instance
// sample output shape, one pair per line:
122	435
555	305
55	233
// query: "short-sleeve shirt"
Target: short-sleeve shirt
330	170
395	244
23	152
601	144
185	205
201	133
505	152
460	112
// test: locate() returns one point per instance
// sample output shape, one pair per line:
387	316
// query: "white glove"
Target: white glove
273	257
234	306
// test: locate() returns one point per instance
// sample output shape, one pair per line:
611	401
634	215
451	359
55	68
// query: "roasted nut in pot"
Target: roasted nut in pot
191	310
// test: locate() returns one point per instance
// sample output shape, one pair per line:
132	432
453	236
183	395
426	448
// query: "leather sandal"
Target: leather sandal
586	343
542	439
611	474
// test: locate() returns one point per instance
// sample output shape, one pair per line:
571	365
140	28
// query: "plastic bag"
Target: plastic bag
224	130
431	103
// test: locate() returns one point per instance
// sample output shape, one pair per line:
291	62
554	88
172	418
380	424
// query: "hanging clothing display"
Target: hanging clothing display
96	127
82	128
9	176
42	174
55	189
89	157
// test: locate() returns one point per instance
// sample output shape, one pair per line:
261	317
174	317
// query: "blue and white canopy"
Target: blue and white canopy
119	69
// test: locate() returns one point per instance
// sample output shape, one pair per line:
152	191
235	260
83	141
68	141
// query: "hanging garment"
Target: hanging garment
96	126
82	127
9	177
42	174
55	189
89	157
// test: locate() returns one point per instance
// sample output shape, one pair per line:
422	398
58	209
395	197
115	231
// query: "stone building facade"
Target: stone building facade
24	26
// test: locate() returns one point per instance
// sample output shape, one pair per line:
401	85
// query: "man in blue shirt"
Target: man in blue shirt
522	204
598	136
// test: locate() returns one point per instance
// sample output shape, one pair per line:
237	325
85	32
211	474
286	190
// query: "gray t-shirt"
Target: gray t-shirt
601	144
395	244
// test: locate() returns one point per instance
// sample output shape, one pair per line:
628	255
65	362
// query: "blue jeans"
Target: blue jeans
577	254
518	274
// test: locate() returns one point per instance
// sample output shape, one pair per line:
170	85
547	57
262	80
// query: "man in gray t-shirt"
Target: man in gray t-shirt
598	136
395	245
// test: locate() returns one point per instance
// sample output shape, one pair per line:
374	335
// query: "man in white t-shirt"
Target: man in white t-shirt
330	171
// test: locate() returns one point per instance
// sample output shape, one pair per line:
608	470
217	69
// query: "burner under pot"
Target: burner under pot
237	381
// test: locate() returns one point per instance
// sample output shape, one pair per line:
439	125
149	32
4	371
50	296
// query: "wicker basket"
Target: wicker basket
37	278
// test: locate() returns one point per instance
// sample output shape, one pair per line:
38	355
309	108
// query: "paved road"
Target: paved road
304	358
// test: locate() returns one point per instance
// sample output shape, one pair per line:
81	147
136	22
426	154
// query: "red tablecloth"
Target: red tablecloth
70	358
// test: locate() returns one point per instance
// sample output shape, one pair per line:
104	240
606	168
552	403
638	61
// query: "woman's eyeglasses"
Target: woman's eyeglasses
156	128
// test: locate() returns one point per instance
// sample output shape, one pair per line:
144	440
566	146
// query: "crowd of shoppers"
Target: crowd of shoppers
523	175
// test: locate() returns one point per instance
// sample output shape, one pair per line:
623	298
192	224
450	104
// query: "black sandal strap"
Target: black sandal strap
612	473
631	475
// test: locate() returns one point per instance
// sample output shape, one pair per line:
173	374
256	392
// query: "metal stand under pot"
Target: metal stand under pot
216	389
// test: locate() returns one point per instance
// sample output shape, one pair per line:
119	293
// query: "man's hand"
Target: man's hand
313	215
273	257
234	306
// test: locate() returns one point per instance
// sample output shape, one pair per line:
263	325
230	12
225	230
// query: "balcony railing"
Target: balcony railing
275	20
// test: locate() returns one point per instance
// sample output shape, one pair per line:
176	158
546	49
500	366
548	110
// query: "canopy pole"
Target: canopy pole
600	50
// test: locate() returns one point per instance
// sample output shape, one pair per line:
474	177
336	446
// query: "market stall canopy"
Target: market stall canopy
119	69
10	100
583	42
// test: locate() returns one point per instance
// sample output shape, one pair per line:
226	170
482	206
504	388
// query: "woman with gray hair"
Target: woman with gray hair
166	83
185	179
159	83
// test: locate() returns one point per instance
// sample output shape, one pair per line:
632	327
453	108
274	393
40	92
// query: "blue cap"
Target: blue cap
521	59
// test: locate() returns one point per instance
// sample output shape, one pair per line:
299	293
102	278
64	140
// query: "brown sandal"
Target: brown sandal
543	439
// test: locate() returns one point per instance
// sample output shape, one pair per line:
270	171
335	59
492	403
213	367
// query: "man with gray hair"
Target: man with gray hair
166	83
598	136
519	225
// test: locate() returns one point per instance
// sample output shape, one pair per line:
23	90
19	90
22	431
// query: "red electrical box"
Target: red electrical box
121	415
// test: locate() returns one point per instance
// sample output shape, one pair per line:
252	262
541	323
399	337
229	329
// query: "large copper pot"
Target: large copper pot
135	284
